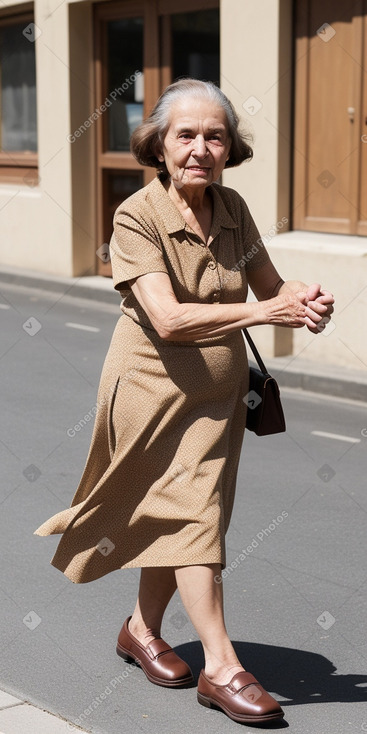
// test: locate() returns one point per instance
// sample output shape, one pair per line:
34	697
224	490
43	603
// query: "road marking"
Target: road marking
83	327
4	306
336	436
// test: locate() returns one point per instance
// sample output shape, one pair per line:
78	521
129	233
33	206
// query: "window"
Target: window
18	111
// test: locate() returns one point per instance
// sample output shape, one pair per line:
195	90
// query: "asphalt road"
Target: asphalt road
295	582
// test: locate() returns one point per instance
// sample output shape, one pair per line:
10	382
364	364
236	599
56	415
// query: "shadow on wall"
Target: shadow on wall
342	11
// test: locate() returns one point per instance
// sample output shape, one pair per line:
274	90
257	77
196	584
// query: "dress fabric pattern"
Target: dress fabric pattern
159	481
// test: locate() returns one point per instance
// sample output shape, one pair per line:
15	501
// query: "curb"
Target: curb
17	715
289	372
333	381
95	287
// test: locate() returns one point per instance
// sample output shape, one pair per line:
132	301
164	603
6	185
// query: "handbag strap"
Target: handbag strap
255	352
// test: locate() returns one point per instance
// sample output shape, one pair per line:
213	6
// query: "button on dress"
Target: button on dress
159	481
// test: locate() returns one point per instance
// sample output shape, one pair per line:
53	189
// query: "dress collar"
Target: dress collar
173	219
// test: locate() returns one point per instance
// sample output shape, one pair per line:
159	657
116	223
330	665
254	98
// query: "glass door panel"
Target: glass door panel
117	186
125	85
195	45
122	185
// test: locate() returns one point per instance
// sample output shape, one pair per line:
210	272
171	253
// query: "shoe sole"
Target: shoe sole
179	683
211	704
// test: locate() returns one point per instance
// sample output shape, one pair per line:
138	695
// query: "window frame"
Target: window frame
15	166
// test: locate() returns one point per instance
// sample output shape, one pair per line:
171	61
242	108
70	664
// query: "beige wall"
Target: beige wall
36	223
256	62
339	262
39	224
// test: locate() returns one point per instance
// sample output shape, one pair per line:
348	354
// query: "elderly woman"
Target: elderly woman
158	487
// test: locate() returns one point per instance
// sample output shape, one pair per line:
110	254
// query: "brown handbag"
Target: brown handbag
264	408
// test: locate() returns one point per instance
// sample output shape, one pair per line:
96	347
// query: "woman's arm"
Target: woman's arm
176	321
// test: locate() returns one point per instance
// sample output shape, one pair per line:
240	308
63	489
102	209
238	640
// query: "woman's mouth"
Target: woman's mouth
198	169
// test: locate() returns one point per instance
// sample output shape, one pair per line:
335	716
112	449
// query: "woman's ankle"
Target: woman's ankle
223	674
141	632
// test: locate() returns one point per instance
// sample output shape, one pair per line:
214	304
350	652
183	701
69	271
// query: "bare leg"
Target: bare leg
157	586
202	598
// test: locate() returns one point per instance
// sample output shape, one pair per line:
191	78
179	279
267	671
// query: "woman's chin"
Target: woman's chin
197	179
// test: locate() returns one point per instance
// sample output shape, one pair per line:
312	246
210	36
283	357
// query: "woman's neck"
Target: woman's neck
197	199
196	209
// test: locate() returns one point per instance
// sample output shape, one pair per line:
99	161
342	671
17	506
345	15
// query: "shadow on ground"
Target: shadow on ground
296	675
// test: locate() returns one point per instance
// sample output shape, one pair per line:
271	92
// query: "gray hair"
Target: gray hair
147	138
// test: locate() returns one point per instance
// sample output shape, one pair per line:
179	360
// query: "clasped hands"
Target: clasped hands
319	307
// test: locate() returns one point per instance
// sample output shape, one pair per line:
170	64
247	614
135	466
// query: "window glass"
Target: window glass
125	86
121	185
17	90
195	45
118	186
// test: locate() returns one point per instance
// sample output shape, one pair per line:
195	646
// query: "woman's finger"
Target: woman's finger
313	307
327	299
313	291
324	292
316	328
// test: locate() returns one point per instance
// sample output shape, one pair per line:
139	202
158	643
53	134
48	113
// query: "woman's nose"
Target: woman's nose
200	148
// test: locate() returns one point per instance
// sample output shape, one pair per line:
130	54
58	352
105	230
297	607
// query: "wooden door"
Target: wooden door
330	155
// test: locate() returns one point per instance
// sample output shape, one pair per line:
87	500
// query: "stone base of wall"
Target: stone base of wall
339	263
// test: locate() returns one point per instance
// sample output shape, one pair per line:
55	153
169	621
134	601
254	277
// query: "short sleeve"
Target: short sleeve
256	254
134	248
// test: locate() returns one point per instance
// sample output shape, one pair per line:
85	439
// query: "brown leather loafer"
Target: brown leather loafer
158	661
242	699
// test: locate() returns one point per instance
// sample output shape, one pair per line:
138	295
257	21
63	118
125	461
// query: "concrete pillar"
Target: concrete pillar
256	74
49	246
50	226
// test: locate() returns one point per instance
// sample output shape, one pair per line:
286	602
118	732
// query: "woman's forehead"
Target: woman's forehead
194	111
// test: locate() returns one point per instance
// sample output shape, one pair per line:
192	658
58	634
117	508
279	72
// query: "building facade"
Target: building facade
76	77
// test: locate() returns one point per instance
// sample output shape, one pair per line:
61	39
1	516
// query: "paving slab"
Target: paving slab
18	717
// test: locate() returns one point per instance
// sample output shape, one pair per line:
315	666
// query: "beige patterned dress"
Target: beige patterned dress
159	481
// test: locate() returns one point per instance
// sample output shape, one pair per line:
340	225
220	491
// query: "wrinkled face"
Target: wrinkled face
197	144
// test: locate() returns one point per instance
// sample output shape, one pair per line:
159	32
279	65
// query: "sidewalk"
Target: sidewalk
18	717
290	372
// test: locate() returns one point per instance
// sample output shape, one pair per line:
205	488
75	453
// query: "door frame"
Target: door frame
157	75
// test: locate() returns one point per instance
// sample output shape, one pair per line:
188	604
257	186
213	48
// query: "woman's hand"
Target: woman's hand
287	309
315	297
311	308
